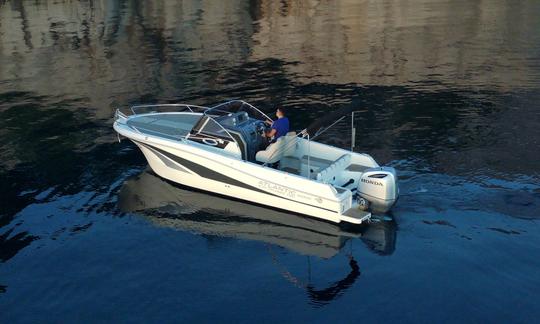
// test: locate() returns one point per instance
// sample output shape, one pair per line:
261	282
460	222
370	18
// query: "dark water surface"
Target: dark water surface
449	94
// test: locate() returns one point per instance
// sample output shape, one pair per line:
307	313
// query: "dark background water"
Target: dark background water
448	93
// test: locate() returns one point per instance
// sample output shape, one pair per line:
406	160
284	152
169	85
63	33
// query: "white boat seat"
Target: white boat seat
323	163
275	151
330	174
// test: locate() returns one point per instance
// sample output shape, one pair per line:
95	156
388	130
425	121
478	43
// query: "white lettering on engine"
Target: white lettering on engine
372	182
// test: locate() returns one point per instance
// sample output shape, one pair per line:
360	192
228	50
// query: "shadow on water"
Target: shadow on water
11	245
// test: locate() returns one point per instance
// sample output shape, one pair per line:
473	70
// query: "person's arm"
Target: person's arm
271	133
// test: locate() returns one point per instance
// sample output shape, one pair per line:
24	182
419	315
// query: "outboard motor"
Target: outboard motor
379	187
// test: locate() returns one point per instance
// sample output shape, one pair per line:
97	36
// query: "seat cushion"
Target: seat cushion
271	154
275	151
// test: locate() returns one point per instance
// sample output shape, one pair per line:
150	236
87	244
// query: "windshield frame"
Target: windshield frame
235	106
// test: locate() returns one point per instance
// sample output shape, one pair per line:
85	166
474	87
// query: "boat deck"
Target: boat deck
298	166
172	126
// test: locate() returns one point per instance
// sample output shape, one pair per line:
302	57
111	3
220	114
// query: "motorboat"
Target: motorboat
168	205
222	149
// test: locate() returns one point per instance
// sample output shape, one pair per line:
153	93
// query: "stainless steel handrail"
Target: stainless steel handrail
189	107
120	114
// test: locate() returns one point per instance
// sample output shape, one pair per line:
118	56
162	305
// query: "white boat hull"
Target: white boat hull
165	166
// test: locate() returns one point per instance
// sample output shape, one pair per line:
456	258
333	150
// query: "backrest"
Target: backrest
289	145
275	151
329	174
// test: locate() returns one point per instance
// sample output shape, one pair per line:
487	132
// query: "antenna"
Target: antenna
353	130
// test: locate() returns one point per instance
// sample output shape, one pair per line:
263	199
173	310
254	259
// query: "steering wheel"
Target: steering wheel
262	128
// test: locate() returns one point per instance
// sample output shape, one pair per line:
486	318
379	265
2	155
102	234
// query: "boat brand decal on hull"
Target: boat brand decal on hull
277	188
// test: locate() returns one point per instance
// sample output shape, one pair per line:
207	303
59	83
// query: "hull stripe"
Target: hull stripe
167	161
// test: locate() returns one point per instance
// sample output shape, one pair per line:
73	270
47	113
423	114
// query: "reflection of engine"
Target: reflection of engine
379	187
246	131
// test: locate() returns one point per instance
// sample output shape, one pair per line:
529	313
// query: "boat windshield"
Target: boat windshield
234	107
209	127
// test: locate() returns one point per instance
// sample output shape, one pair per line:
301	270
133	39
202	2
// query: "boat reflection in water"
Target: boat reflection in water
169	205
165	204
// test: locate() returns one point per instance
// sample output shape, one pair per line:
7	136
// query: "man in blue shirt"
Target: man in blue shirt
280	126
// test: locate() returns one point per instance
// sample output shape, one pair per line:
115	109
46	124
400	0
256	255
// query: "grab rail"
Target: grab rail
120	114
185	106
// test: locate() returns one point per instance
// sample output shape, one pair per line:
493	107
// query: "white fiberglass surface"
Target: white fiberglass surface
173	125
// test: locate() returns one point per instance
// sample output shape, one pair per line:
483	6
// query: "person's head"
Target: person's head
280	112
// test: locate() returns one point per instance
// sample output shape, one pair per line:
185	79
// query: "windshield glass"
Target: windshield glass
208	126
